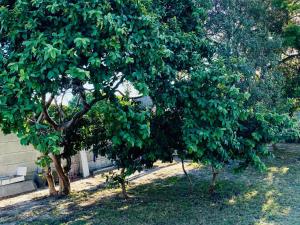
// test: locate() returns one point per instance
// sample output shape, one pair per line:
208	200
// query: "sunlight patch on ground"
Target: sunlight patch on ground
232	201
272	207
262	222
251	194
272	171
280	170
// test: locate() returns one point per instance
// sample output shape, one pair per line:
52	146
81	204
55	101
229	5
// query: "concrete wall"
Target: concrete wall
99	163
13	155
76	169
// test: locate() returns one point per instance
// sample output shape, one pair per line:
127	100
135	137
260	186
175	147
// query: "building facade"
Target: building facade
14	155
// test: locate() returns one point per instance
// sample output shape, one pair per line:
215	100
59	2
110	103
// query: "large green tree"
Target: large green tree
247	34
290	62
51	49
88	49
203	110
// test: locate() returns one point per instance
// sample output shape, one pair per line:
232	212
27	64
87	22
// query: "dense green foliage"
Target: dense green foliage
52	48
248	35
290	64
89	49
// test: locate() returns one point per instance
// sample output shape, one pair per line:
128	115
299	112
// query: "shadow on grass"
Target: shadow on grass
161	202
250	198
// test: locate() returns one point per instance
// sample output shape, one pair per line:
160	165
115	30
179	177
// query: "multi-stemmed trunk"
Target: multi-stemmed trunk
50	181
64	182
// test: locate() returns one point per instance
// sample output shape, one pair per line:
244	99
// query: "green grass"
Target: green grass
271	198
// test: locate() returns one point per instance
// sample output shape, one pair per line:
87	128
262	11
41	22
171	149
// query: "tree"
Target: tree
200	99
213	124
50	49
247	34
120	131
290	61
90	48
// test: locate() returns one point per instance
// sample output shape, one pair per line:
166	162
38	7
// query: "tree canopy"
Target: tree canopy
51	50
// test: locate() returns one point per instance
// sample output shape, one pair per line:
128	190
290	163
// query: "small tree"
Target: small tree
212	124
51	49
204	94
119	130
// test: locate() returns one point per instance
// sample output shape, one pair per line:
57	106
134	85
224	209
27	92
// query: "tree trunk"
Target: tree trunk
123	184
274	147
49	177
213	181
64	182
187	175
61	185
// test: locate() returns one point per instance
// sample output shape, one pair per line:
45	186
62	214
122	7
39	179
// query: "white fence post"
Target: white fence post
84	164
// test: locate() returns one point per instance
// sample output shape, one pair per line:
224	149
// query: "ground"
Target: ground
162	196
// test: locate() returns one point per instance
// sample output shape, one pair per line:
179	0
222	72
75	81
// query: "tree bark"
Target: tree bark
64	182
123	184
49	177
274	147
213	181
187	175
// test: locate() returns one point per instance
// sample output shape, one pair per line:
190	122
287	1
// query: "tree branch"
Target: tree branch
81	113
118	84
86	107
41	116
59	110
46	114
289	58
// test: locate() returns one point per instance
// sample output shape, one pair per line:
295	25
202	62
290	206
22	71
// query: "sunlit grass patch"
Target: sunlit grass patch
247	198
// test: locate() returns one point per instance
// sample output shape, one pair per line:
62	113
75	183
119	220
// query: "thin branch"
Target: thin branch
87	106
46	114
62	99
83	97
187	175
289	58
81	113
59	110
118	84
121	93
76	106
41	116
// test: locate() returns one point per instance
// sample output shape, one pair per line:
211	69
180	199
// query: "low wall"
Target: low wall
13	155
94	164
16	188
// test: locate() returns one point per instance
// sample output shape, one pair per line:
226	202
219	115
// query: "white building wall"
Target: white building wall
13	155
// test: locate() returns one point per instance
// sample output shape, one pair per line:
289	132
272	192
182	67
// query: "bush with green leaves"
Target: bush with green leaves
119	129
213	124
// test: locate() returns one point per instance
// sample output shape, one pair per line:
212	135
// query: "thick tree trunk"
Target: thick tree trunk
123	184
187	175
213	181
64	182
49	177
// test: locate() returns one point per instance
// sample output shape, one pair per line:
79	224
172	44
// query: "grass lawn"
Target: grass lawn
162	197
